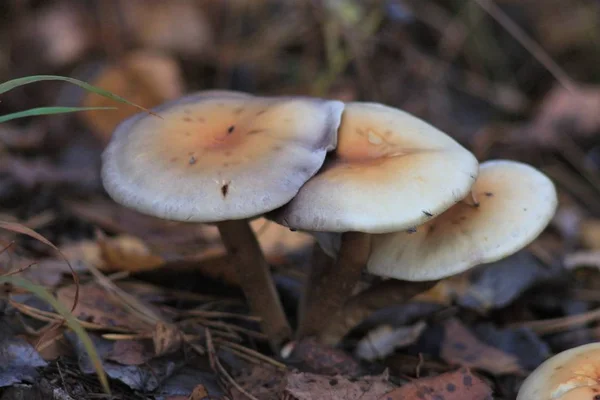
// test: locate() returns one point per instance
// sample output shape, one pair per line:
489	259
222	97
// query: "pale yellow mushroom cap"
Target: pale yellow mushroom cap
571	375
219	155
390	171
516	202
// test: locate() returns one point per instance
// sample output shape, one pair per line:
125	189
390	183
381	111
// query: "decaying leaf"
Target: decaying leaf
166	338
98	307
147	79
130	352
323	359
305	386
457	385
590	233
18	361
565	112
262	382
461	347
128	253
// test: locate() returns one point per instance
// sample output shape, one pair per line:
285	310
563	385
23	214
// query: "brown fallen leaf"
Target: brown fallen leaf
324	359
590	233
130	352
98	307
127	253
166	338
306	386
199	393
262	382
457	385
563	113
461	347
144	78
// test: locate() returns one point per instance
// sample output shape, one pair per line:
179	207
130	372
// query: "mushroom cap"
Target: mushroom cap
516	202
573	374
389	172
219	155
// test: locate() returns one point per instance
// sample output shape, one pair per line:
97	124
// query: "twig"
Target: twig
219	369
251	352
527	42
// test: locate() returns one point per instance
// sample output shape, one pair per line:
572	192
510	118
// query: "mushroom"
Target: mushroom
514	204
573	374
224	157
391	171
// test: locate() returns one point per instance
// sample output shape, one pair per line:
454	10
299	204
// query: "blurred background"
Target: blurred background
511	79
506	78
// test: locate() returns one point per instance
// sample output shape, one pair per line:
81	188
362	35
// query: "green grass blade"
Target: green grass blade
72	322
48	111
6	86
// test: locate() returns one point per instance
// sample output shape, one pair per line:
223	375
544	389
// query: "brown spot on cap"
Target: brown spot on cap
225	189
192	160
230	129
187	119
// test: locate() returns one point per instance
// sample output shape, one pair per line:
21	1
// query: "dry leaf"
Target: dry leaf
384	340
461	347
143	78
263	382
128	253
457	385
325	359
199	393
305	386
590	233
166	338
95	305
130	352
564	112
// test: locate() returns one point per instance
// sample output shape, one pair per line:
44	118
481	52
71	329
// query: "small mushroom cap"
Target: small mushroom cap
516	202
571	375
219	155
390	171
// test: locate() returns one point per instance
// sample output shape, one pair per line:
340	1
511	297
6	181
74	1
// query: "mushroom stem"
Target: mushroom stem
255	280
358	308
330	285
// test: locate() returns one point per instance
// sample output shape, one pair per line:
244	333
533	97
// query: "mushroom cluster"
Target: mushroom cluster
378	187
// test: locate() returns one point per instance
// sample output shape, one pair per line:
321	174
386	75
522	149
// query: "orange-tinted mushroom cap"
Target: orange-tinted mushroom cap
571	375
389	172
516	202
219	155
